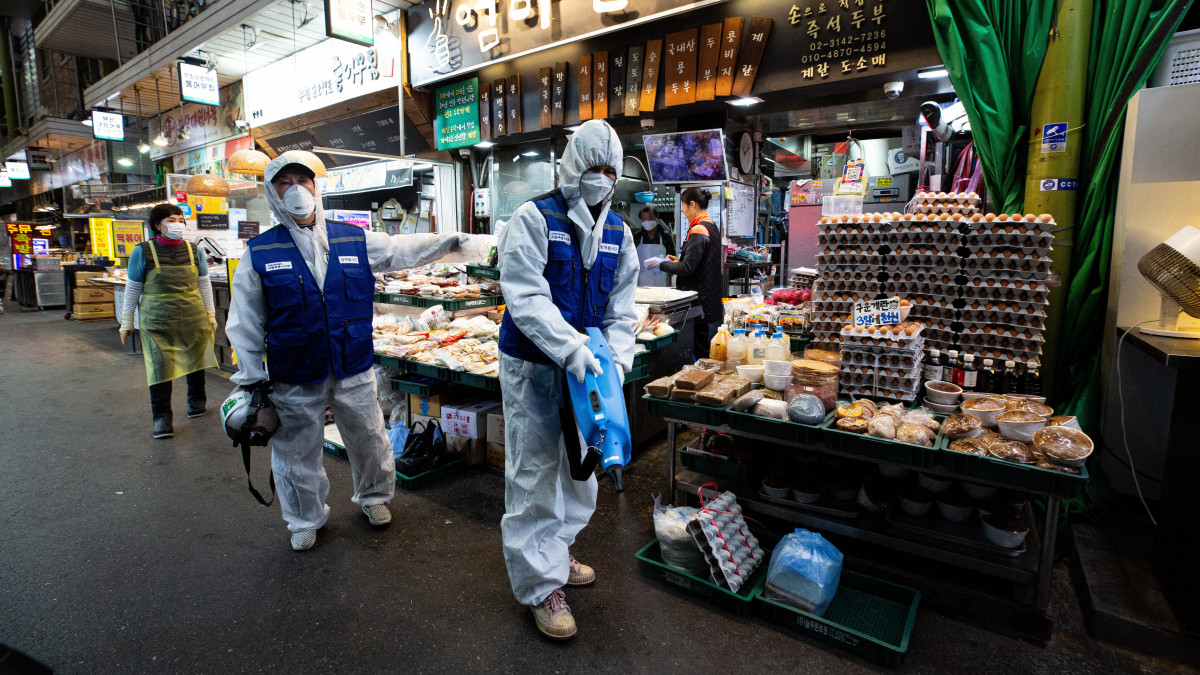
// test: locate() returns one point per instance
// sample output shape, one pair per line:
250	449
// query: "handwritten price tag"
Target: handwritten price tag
877	312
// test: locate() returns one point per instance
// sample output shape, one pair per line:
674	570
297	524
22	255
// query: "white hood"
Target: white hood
594	144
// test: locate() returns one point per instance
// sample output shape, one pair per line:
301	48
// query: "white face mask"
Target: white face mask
649	224
174	230
299	202
596	188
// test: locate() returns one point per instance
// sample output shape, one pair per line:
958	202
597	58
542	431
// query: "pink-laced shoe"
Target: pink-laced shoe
553	616
581	575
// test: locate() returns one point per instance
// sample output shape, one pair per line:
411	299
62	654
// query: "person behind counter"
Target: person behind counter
699	266
177	320
653	240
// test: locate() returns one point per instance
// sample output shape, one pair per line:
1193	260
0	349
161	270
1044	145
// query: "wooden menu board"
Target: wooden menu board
485	112
616	88
514	104
756	43
585	87
633	81
650	75
731	40
499	114
600	85
679	67
558	111
545	85
706	67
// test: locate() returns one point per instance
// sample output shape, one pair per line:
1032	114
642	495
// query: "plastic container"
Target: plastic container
484	382
756	349
1026	477
650	564
869	617
735	350
874	448
782	430
778	349
418	384
484	272
719	347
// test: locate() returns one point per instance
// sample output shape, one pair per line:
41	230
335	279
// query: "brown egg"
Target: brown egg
919	217
1046	218
1003	217
975	218
989	217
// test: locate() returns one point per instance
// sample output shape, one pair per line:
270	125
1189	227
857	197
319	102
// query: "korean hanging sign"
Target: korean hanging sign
457	122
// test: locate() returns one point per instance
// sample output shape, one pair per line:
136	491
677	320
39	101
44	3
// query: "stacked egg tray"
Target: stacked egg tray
1003	295
882	362
850	266
947	203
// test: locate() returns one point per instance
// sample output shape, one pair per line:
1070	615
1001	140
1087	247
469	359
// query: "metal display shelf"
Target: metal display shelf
448	305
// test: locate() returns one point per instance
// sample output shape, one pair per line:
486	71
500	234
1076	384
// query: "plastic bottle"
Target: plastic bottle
718	348
933	367
970	376
779	348
1008	378
756	349
1031	381
987	378
952	370
735	351
1019	371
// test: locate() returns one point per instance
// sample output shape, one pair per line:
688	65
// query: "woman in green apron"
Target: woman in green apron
169	277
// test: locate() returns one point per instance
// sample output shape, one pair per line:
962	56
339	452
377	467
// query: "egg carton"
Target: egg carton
846	257
944	207
938	240
1001	312
944	265
935	312
1000	289
1039	274
1012	319
1010	250
903	332
853	280
927	248
1014	333
999	356
721	533
836	243
901	277
981	238
880	381
825	272
880	364
984	283
926	196
879	393
1014	224
1000	254
878	357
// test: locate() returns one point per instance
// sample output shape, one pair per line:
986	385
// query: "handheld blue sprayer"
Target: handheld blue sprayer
597	408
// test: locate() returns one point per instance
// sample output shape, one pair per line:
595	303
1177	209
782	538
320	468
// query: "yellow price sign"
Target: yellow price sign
884	182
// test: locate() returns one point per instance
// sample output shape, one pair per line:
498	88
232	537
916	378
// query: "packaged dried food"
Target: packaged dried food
683	395
869	409
822	355
711	365
661	388
962	425
806	409
846	410
748	400
740	385
771	408
693	379
916	434
921	416
970	446
882	426
716	396
1013	451
1063	445
854	425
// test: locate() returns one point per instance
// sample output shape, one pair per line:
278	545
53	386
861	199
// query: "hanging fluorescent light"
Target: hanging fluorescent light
143	147
484	144
745	102
574	128
111	97
125	161
160	140
87	122
529	153
934	74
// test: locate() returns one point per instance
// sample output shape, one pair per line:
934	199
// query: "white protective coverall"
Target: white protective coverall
296	454
544	507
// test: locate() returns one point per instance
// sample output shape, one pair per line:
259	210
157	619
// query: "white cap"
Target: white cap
969	358
935	352
1010	364
953	352
987	362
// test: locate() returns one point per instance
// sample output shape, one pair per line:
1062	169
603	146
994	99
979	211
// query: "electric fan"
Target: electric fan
1173	267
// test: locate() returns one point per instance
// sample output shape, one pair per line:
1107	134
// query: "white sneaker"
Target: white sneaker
378	514
303	540
553	616
580	574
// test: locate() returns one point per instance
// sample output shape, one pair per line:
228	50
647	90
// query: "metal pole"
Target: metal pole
54	81
671	460
1058	99
1045	573
116	32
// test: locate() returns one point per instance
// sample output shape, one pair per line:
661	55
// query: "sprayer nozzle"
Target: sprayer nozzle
614	474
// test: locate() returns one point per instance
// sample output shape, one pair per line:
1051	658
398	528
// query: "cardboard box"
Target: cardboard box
425	405
474	450
495	455
93	309
468	419
79	276
495	427
94	294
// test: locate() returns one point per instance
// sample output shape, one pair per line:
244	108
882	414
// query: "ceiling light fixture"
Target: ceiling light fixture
934	74
484	144
87	122
745	102
125	161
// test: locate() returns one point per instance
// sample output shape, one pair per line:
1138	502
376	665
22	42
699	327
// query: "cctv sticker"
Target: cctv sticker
561	237
285	265
348	259
609	248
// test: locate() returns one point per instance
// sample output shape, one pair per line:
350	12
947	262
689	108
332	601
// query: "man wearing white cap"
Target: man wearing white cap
302	297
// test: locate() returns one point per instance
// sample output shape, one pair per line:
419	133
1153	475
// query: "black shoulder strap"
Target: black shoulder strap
250	483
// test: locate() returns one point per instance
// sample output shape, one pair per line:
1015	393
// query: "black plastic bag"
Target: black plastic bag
425	450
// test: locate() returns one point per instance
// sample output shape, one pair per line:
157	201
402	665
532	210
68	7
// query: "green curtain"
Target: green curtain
993	50
1128	39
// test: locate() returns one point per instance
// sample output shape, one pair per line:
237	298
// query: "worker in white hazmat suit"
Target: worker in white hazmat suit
566	263
302	297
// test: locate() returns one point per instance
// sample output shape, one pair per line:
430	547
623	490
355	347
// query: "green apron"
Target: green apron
176	336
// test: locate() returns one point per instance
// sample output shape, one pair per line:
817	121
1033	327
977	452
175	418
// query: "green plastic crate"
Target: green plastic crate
799	343
394	299
651	564
436	372
785	430
484	272
687	412
422	479
869	617
334	449
718	468
407	386
477	381
882	449
660	342
638	372
455	305
1018	476
387	361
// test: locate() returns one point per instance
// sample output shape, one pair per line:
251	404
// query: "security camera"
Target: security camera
647	122
241	124
893	89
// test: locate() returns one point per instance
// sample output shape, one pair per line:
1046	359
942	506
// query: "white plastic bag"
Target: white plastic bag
679	549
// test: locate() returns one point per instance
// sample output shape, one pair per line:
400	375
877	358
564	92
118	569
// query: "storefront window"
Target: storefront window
518	173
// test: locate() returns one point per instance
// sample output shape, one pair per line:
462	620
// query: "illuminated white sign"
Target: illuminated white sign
350	20
17	170
198	84
108	126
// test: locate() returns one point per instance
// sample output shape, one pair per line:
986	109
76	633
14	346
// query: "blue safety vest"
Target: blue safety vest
580	295
311	331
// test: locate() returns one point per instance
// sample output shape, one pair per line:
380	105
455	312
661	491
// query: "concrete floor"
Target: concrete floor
125	554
